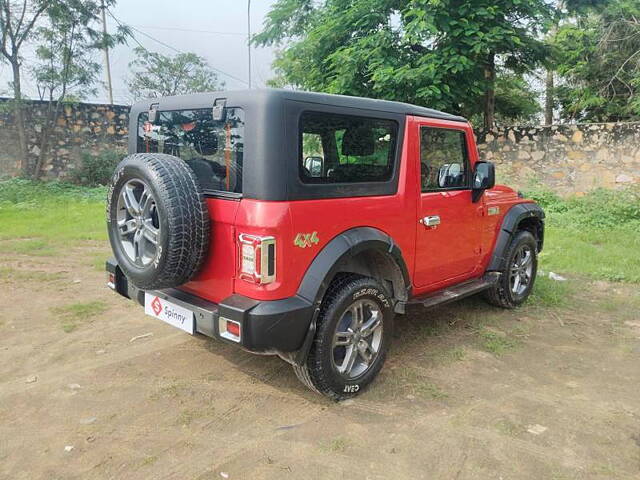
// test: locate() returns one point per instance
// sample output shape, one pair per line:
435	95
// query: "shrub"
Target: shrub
95	170
601	208
33	194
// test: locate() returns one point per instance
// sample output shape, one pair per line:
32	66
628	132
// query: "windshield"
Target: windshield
213	149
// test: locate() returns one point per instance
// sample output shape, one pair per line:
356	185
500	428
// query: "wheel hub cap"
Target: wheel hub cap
357	339
138	223
521	270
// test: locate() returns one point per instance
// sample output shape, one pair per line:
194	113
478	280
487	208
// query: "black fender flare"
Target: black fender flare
327	263
510	222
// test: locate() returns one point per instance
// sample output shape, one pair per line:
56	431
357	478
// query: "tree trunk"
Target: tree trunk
548	99
490	92
19	118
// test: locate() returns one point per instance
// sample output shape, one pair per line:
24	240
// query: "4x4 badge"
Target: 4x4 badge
304	240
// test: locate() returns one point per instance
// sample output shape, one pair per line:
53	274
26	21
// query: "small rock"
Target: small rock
556	277
411	397
32	379
100	352
88	421
68	448
138	337
90	439
347	402
224	474
74	386
77	280
536	429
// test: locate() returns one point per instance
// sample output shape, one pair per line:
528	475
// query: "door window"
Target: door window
346	149
444	163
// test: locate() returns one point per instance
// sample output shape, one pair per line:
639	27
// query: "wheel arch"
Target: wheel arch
523	216
363	250
366	251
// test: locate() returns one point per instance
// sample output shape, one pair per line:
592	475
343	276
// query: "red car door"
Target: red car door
448	228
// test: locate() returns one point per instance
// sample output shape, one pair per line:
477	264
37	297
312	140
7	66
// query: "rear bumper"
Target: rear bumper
276	326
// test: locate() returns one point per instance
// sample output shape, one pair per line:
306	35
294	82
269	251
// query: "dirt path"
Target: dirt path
468	392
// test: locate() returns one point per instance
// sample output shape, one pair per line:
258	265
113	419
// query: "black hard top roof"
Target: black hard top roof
269	96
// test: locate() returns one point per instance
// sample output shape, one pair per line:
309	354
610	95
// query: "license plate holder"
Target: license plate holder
169	312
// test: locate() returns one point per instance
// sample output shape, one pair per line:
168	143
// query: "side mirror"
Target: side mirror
153	114
484	177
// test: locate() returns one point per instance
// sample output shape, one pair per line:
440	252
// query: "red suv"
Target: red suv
298	224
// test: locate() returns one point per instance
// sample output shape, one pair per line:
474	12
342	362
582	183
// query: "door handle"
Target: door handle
430	221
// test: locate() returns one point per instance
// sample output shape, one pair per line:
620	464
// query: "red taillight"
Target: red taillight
229	329
257	258
233	328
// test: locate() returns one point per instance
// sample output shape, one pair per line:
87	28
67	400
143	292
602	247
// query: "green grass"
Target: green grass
610	255
496	343
71	316
38	218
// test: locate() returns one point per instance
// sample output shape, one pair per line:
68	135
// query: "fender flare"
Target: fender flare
510	222
324	267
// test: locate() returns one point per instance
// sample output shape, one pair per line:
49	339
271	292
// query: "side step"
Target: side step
456	292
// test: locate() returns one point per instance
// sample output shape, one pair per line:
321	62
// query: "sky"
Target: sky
213	29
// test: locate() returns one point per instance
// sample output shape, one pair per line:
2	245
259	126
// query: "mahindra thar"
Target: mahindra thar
298	224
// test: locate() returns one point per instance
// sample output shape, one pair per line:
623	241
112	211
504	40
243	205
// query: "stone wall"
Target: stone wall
565	158
80	128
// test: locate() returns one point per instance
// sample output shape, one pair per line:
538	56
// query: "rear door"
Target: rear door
448	228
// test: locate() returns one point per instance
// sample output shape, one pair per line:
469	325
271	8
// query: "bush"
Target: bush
601	209
34	194
95	170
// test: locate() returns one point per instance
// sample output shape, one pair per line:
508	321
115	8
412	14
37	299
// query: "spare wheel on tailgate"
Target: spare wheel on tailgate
157	219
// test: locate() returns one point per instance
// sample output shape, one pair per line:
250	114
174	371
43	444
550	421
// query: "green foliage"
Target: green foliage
600	209
426	52
598	56
18	193
157	75
95	170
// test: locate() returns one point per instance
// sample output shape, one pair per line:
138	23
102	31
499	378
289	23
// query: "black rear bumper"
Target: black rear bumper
277	326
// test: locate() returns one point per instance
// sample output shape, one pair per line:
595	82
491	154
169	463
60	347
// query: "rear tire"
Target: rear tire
518	274
158	220
353	335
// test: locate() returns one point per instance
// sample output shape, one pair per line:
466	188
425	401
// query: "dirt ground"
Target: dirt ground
468	391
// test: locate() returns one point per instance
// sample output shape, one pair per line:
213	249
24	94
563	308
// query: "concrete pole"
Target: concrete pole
106	53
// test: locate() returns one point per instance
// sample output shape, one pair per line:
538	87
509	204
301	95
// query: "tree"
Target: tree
157	75
68	40
598	61
17	23
445	54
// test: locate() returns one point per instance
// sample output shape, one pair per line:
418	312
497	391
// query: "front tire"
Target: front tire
518	273
352	338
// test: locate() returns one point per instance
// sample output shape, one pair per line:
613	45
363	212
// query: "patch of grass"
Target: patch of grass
610	255
550	293
148	460
41	218
496	343
455	354
507	427
336	445
13	275
72	315
413	381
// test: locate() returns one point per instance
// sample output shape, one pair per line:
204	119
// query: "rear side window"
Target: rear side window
346	149
444	164
213	149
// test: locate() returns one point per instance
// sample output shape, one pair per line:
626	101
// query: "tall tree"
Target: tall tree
69	39
157	75
598	60
443	53
18	20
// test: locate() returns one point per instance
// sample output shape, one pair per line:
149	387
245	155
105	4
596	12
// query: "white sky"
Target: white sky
165	20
